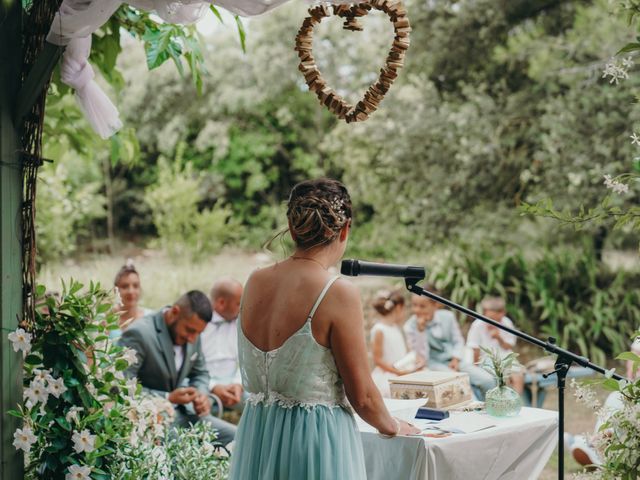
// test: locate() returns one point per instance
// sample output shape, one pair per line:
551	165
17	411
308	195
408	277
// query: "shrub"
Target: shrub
565	293
184	228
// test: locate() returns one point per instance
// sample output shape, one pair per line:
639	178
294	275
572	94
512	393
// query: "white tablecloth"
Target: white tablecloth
516	448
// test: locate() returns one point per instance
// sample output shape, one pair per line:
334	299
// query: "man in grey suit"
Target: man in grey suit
170	356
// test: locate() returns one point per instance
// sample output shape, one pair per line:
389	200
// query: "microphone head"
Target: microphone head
350	268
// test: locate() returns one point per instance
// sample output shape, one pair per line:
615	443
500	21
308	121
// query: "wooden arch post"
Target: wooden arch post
11	463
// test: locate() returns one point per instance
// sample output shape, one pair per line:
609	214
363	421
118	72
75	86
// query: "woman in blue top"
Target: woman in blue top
302	354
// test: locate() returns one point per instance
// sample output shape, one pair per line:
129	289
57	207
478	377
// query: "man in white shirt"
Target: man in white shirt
482	334
220	343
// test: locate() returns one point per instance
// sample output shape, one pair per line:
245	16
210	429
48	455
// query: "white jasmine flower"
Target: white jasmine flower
615	186
41	375
92	389
131	386
37	392
616	71
72	414
56	387
23	438
21	340
635	139
77	472
208	449
130	356
83	441
627	62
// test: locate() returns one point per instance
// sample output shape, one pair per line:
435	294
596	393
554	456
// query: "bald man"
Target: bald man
220	342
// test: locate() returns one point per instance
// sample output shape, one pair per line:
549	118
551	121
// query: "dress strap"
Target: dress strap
321	296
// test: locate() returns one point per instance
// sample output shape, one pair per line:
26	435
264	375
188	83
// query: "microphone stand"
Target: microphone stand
564	357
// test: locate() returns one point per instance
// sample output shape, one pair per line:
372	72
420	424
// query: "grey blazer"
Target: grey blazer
156	368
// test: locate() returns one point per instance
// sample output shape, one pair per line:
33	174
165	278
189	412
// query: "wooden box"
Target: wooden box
441	389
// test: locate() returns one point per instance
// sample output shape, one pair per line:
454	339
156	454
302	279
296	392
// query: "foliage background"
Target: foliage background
500	103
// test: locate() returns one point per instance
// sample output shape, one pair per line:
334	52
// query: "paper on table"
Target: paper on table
466	422
405	409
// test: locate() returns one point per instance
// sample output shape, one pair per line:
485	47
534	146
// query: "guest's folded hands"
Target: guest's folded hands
201	404
182	395
228	394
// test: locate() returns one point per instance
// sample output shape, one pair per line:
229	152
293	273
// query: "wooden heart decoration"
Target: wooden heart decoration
373	96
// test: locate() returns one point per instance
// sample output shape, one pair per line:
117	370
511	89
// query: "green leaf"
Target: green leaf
628	356
217	13
159	45
629	47
611	385
121	364
241	33
63	423
33	359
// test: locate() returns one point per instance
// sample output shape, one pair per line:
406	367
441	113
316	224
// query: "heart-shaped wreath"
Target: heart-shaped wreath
373	96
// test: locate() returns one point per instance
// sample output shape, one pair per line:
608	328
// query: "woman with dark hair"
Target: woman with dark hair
127	283
302	354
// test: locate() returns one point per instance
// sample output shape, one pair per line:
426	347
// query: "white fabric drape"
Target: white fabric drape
78	19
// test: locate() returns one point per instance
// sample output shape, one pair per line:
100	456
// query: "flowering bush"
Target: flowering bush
618	438
185	454
76	396
82	419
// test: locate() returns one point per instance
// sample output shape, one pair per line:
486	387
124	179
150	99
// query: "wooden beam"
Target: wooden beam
38	77
11	463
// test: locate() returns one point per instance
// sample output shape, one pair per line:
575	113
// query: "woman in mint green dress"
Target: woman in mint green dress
302	354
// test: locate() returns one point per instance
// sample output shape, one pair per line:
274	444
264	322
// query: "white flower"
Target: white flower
130	356
83	441
131	386
117	298
56	387
21	340
42	375
76	472
627	62
91	388
208	449
615	185
617	71
72	414
37	392
23	438
635	139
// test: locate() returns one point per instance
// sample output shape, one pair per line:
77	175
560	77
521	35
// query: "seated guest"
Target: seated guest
482	334
387	341
446	344
220	343
415	330
170	355
127	282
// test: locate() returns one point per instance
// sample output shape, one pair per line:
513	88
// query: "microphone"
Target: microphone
353	268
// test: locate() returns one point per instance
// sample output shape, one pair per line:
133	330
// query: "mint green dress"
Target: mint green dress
296	424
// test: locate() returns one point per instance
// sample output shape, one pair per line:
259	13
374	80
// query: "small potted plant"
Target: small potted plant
501	401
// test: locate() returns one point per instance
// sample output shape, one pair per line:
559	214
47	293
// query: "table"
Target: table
516	448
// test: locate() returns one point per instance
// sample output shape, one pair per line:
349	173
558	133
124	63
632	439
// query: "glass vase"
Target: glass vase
503	402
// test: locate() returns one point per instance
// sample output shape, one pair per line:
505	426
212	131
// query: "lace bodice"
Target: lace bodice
301	372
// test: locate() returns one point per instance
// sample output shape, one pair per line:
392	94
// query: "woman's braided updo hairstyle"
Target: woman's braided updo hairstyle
317	210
